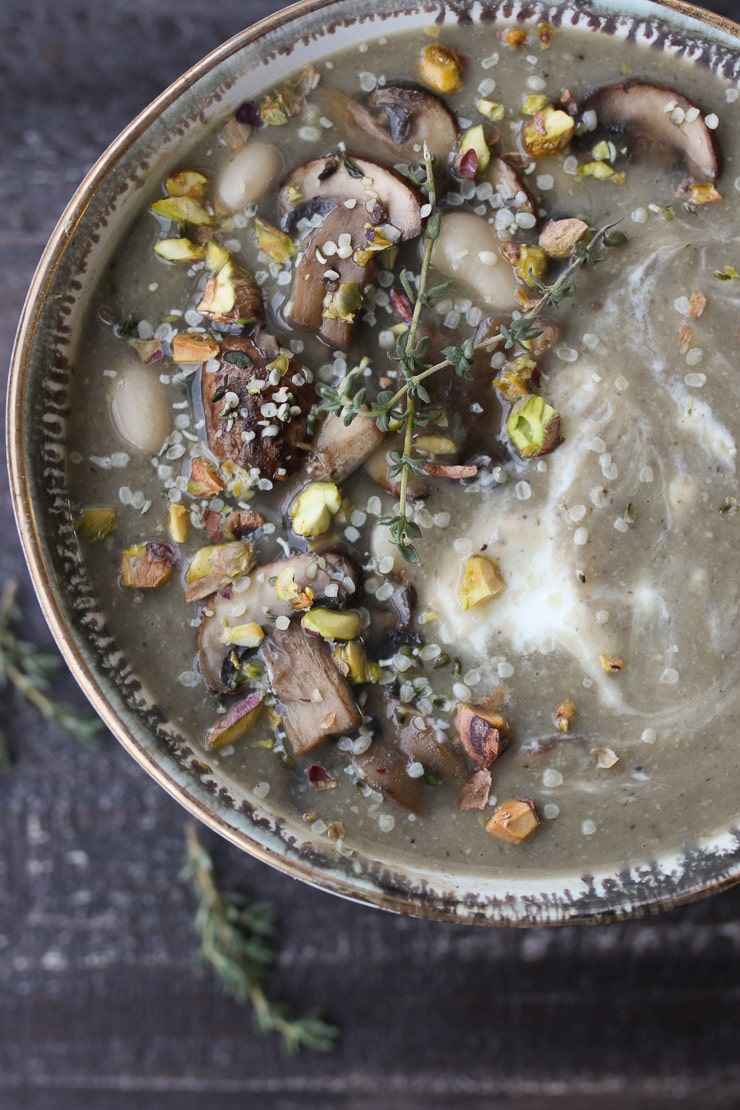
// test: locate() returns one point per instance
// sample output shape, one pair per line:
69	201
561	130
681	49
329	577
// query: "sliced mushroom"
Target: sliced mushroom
377	190
396	122
392	620
319	278
339	448
314	700
658	118
510	185
384	768
259	603
236	399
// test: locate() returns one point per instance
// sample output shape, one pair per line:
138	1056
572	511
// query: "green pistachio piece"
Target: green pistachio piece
473	154
217	566
94	525
533	426
186	183
312	511
332	624
181	210
345	303
353	663
237	722
179	250
274	242
216	256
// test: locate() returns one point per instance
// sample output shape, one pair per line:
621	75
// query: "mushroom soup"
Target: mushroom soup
410	483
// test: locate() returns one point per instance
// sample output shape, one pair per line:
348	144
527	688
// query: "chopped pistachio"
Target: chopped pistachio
204	479
481	580
344	304
216	566
274	242
148	350
513	380
377	239
726	274
484	734
514	37
604	151
219	295
193	347
93	525
332	624
182	210
352	661
696	193
145	566
559	237
232	296
529	263
610	663
187	183
563	716
491	109
288	99
249	635
548	132
237	722
473	154
546	33
216	256
287	589
319	778
431	444
179	250
533	104
312	511
602	171
514	820
605	757
533	426
441	68
178	523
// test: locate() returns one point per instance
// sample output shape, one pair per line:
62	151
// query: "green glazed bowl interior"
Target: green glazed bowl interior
74	259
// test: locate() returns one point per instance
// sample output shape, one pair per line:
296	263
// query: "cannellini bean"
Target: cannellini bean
467	251
140	409
247	175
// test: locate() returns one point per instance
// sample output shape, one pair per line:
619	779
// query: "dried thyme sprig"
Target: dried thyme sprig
30	672
235	942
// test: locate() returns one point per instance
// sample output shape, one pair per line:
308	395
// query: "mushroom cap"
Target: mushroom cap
647	113
379	190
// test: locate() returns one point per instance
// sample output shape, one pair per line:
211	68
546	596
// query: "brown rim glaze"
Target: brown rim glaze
610	897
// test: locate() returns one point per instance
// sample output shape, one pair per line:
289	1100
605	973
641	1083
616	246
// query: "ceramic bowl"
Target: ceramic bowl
37	412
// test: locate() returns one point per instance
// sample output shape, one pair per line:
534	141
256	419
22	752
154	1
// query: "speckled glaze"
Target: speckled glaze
37	408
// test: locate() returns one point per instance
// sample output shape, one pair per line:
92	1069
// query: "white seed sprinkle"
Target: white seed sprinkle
187	678
537	84
597	444
570	165
731	95
385	592
551	777
462	545
415	770
523	491
545	181
602	616
646	475
621	384
487	258
682	305
580	537
577	513
621	525
374	506
505	669
472	678
385	566
261	790
694	356
386	821
588	828
696	381
669	676
639	215
566	354
309	134
368	81
461	691
712	121
590	340
282	623
550	811
649	736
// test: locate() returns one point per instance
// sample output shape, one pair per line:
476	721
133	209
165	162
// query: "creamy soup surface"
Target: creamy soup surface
555	675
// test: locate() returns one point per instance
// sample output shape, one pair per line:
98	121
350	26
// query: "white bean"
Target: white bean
140	409
467	251
247	175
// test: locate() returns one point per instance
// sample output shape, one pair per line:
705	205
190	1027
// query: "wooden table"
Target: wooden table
99	1003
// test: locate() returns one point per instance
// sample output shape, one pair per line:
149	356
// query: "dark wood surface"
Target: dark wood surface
99	1003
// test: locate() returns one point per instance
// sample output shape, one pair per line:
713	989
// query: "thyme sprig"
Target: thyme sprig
31	673
403	409
235	941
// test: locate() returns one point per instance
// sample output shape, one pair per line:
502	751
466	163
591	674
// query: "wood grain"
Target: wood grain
99	1004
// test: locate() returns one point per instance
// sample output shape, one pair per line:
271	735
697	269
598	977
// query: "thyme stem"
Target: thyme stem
234	943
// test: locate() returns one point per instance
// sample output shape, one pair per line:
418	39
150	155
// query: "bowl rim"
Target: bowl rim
27	523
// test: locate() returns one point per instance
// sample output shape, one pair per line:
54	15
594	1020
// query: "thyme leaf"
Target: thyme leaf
30	672
236	942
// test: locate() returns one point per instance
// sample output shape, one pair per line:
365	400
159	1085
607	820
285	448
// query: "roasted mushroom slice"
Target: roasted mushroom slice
219	658
255	405
379	467
329	283
314	700
395	123
339	448
378	191
384	768
510	185
655	117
